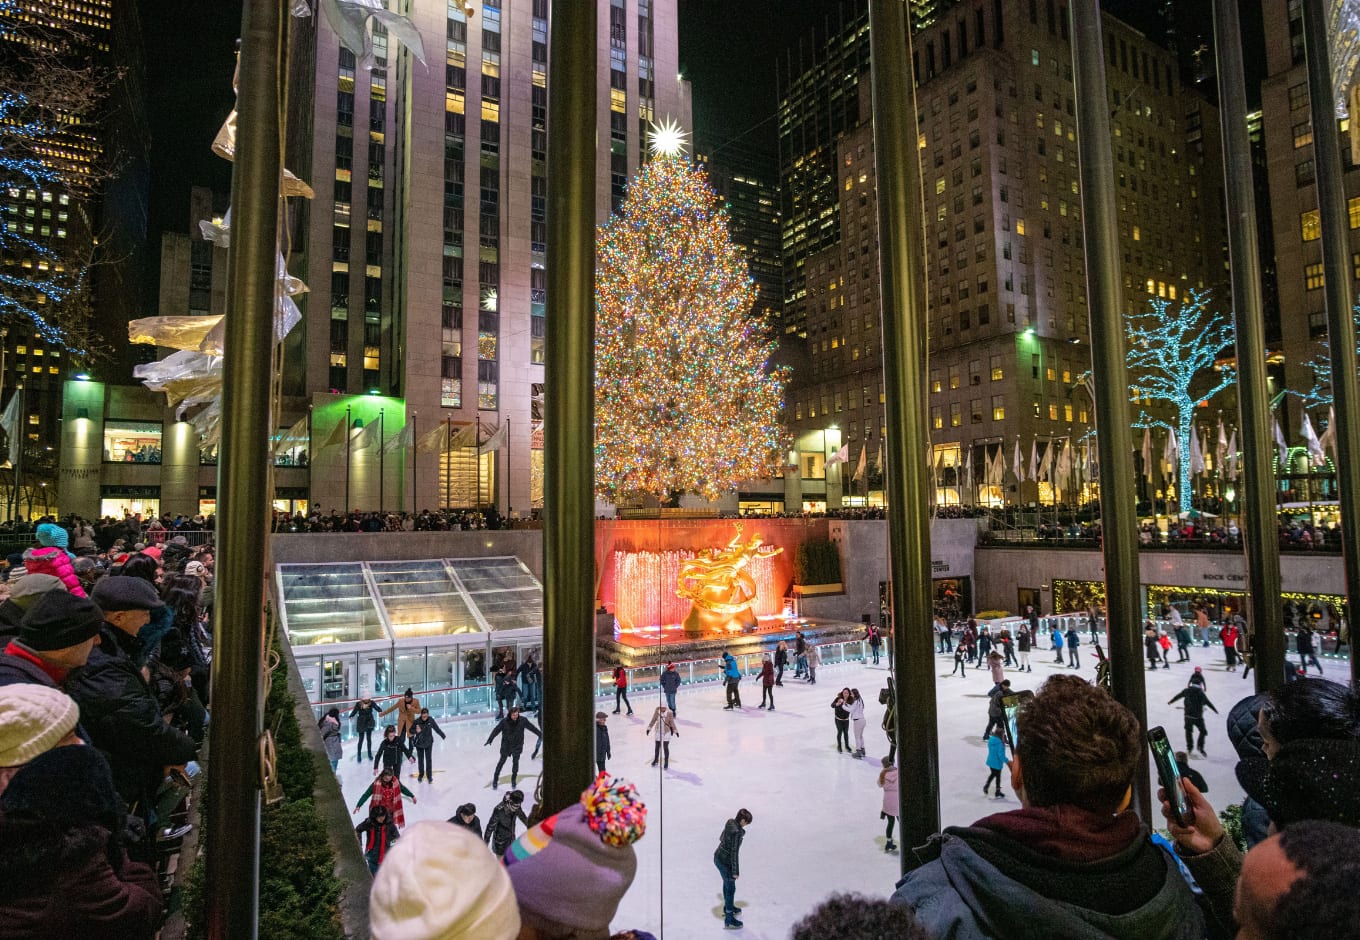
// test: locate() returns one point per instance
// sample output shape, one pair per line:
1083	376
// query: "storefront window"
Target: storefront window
132	442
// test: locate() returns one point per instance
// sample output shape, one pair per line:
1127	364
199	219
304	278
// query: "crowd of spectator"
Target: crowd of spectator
104	670
441	520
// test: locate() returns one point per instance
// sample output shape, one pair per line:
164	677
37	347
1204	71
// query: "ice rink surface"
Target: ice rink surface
816	827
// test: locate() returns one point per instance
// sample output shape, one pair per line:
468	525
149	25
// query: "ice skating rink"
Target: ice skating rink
816	827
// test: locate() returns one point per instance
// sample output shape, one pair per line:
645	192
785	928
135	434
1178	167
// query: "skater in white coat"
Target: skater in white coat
663	719
887	779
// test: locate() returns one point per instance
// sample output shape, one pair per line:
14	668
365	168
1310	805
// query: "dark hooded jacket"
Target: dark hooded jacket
63	872
1054	873
120	711
1246	740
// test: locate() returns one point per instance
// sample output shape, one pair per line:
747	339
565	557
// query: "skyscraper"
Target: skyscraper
1006	288
425	247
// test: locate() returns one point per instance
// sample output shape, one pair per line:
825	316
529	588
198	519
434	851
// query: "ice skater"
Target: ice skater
887	781
799	654
767	683
1303	641
378	832
664	722
329	726
814	659
422	739
407	708
466	817
511	730
1024	639
888	699
997	670
996	760
387	791
391	751
996	714
875	642
961	661
841	711
781	659
365	715
728	862
500	828
1073	641
731	678
602	749
670	684
621	689
1195	702
506	689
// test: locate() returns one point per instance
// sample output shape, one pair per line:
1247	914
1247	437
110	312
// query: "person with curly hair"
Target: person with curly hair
854	915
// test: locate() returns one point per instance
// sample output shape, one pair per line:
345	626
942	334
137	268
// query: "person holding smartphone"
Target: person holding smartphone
1073	860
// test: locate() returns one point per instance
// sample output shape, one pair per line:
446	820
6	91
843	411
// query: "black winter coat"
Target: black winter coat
367	717
1195	701
120	712
500	828
729	847
511	731
602	742
390	753
423	731
474	827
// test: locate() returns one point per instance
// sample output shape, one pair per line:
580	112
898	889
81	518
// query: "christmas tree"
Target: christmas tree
685	398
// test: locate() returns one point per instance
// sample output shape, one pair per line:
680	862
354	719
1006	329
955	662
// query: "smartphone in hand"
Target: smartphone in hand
1010	706
1169	772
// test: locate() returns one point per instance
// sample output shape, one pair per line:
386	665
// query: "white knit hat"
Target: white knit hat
33	718
440	882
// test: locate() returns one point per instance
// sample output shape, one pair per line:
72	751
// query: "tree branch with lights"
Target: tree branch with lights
1173	352
686	400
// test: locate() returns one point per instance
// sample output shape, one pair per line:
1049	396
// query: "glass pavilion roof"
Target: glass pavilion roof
351	602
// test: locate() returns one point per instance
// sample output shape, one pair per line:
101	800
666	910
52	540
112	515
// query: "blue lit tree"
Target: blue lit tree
1320	395
50	93
1173	351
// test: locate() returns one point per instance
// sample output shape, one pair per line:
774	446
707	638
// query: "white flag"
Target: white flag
1232	456
840	456
464	437
1221	447
9	422
337	435
1196	454
496	441
435	440
1064	467
1328	439
1017	467
1034	460
1046	464
1171	454
878	461
1147	453
863	463
1283	448
1310	439
997	472
368	437
295	438
401	440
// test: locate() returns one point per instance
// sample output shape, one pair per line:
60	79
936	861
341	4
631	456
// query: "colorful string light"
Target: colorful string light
686	400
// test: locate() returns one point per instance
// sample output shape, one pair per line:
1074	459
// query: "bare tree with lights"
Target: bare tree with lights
51	92
1173	351
686	400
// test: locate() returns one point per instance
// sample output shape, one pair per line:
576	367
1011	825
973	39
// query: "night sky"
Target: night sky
728	50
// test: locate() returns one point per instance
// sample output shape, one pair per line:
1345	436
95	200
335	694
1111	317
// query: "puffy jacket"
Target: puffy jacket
996	753
366	716
500	827
730	669
56	562
63	872
729	847
511	731
330	738
670	681
120	712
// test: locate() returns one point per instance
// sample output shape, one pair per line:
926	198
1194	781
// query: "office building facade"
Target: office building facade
1006	280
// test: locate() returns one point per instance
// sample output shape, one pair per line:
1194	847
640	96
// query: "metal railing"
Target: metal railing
474	701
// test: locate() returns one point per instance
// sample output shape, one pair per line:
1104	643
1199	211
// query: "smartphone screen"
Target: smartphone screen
1011	705
1169	772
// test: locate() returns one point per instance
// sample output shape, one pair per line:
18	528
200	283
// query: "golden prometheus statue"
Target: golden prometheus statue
719	584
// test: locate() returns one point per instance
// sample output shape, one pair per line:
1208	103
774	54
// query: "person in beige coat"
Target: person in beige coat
408	710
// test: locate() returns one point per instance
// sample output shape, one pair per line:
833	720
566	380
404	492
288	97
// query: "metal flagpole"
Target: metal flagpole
1337	290
348	437
569	466
232	801
477	451
1119	513
448	463
382	459
415	439
902	281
